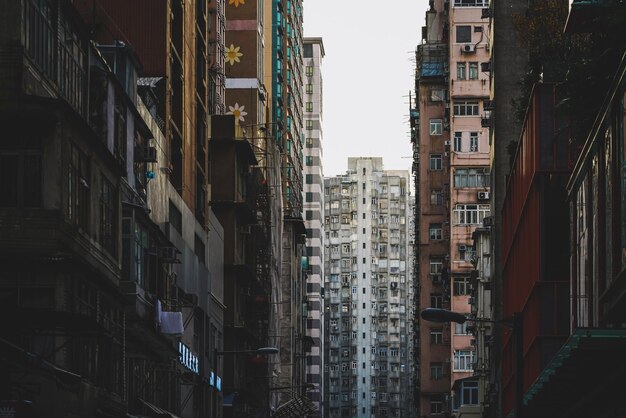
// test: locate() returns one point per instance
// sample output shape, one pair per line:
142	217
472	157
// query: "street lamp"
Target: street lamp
259	351
515	323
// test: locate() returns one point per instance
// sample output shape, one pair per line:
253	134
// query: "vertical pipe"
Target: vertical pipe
518	332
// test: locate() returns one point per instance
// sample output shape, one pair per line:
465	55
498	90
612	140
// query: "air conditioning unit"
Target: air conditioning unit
488	221
145	154
462	247
467	49
473	341
446	143
169	254
483	196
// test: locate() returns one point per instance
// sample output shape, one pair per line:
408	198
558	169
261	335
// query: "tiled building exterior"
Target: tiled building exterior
314	213
369	294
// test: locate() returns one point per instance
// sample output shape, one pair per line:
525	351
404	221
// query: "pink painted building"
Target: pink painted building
451	169
469	152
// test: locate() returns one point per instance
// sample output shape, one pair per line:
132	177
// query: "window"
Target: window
437	94
461	72
461	286
435	162
309	144
309	70
458	142
463	360
469	393
436	197
466	108
20	179
108	212
308	160
463	34
466	252
470	214
436	126
307	50
473	142
142	246
460	329
309	106
471	177
435	232
436	336
436	300
473	71
309	124
309	178
309	88
436	266
309	197
78	188
436	371
436	407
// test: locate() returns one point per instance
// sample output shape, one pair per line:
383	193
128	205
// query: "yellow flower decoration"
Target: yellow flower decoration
232	54
238	112
236	2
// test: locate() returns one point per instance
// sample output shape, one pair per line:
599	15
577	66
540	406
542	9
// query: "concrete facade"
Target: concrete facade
313	219
369	296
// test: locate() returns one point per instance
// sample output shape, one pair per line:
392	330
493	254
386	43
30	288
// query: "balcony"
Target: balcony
584	15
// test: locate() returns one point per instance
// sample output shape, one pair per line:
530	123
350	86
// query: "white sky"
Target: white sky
368	72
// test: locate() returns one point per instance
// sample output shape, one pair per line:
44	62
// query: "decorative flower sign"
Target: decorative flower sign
236	2
232	54
238	112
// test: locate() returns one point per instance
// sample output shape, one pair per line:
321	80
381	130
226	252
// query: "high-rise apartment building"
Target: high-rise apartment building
113	230
451	154
286	130
432	210
369	294
469	170
314	213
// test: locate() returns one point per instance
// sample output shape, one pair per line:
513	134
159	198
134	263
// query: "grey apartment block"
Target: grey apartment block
313	198
368	308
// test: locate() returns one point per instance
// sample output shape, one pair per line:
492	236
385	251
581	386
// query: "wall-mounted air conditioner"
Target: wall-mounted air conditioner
468	49
483	196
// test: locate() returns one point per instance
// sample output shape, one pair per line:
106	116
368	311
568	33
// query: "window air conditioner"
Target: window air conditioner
483	196
145	154
169	254
468	48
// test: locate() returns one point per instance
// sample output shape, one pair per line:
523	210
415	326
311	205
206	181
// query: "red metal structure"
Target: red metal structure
535	242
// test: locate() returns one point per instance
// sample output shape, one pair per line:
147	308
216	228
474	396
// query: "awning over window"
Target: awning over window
586	371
